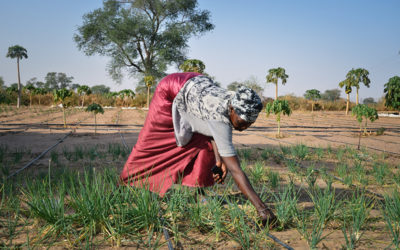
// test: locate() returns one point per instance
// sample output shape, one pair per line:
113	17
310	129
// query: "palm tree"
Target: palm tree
347	84
274	75
61	95
84	90
18	52
149	80
358	75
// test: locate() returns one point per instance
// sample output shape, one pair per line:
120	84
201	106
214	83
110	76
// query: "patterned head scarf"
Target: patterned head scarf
247	104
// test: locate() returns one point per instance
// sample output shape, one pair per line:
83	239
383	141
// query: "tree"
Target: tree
61	95
331	95
142	36
278	107
355	76
84	90
192	65
252	82
125	93
1	83
392	93
31	91
347	84
75	86
55	80
100	89
274	75
18	52
363	111
313	95
149	80
369	100
95	109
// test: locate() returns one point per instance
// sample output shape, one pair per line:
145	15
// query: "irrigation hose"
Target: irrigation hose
39	156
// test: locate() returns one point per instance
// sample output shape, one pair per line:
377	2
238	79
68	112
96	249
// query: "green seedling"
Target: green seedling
320	153
362	111
391	213
54	157
273	178
380	172
244	153
300	151
258	172
286	206
354	217
311	176
292	166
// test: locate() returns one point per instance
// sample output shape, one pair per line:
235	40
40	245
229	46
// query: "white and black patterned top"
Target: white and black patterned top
202	107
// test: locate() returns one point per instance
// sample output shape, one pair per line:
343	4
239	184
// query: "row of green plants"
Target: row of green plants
87	209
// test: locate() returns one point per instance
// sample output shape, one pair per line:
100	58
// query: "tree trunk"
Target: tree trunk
95	124
30	100
312	107
357	96
19	85
83	100
278	118
347	104
65	121
276	91
359	139
148	96
39	99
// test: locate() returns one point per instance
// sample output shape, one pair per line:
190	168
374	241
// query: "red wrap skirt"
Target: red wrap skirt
156	162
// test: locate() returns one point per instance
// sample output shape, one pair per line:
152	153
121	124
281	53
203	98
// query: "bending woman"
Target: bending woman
187	131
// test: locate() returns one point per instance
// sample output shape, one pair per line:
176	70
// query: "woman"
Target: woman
187	131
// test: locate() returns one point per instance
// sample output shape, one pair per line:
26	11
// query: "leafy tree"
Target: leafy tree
31	91
392	93
149	80
313	95
274	75
125	93
55	80
362	111
84	90
278	107
252	83
142	36
40	92
369	100
1	83
95	109
100	89
18	52
192	65
75	86
331	95
347	84
61	95
357	76
12	89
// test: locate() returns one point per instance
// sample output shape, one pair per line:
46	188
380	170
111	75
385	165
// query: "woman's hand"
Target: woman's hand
267	217
220	178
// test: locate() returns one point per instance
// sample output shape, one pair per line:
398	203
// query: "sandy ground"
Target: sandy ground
39	128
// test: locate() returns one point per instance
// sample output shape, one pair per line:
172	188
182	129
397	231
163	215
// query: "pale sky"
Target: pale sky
317	42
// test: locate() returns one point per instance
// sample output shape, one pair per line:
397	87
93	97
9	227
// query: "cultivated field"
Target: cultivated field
325	192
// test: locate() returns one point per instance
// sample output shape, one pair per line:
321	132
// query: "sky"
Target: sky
316	42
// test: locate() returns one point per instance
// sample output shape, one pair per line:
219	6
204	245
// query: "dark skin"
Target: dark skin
232	164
